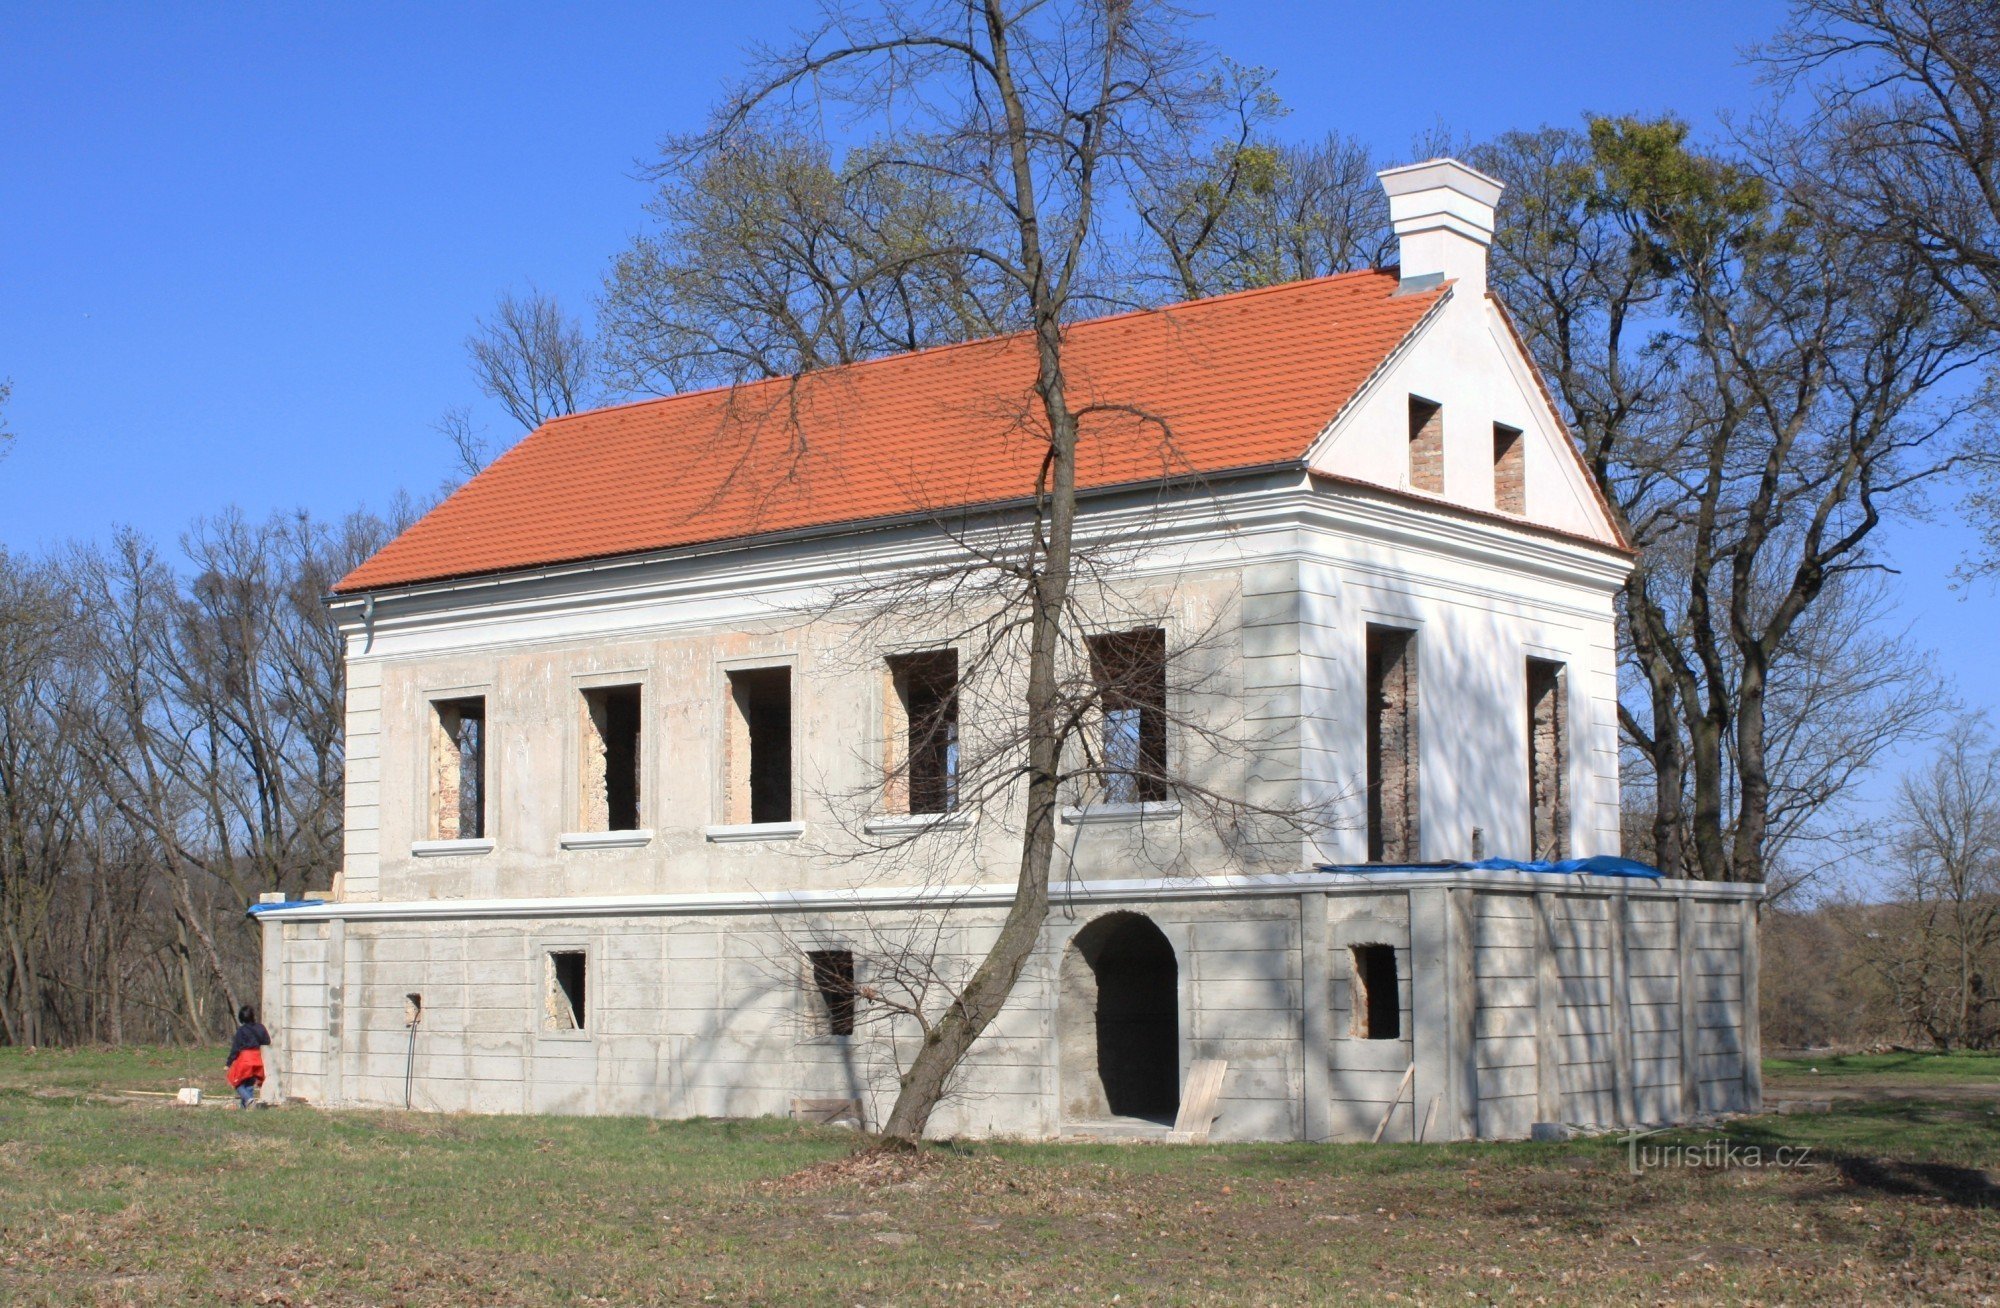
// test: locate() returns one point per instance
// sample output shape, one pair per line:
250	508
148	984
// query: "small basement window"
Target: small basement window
833	977
1510	476
1426	446
565	1006
1378	1003
927	703
760	745
611	759
458	769
1130	669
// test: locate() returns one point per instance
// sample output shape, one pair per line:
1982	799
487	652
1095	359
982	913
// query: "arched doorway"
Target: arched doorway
1119	1020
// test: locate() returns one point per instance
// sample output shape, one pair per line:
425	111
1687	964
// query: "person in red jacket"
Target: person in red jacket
246	1056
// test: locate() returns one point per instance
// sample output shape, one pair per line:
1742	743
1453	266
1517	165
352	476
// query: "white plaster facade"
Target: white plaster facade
1525	997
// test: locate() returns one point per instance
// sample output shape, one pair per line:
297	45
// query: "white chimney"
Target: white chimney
1443	215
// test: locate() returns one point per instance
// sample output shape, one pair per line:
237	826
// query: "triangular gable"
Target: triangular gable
1467	358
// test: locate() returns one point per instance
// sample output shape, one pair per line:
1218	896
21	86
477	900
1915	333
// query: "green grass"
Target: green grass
1910	1068
104	1199
136	1067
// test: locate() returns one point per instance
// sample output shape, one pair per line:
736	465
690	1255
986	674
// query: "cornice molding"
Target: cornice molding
1254	518
1000	895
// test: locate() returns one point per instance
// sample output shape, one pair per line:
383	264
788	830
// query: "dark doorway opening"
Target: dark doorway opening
1121	999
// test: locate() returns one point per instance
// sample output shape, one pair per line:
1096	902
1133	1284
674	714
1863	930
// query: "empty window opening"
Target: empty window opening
611	759
1392	745
458	769
927	702
1130	669
1119	1021
1378	1001
1510	473
1548	758
565	1008
760	739
833	977
1426	446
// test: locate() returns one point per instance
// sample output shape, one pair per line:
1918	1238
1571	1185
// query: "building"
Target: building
631	789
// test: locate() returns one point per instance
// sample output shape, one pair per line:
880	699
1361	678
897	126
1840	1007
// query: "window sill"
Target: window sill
450	848
575	1035
744	832
914	824
1092	814
634	839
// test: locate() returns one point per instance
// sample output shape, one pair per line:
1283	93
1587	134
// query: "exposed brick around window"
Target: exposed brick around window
1548	756
458	769
610	764
1392	745
1426	446
1510	472
922	761
759	777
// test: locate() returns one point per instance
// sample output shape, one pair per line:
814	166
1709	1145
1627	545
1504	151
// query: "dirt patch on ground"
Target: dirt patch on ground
873	1169
1876	1090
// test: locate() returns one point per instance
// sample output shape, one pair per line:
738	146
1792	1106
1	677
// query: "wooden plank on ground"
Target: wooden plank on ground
1394	1100
827	1111
1198	1100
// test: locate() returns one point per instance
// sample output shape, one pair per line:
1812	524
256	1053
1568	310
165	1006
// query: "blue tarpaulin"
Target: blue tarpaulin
1602	865
255	909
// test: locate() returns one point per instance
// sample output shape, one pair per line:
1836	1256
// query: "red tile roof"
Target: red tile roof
1238	381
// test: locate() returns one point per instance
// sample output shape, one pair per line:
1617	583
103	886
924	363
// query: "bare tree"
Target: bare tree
471	449
771	259
533	358
1754	386
1936	943
6	433
1258	213
1034	121
170	748
1906	94
1140	716
38	821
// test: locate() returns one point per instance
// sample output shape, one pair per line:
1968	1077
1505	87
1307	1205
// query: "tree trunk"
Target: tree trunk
1752	776
923	1086
28	1029
947	1043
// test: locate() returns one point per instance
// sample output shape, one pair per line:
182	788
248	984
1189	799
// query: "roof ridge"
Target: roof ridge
943	347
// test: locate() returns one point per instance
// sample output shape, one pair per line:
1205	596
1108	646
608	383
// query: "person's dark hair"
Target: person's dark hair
246	1014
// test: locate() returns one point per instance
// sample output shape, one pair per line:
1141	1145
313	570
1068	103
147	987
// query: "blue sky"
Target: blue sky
241	245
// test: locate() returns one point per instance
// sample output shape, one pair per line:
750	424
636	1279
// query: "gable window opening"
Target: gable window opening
1548	758
611	759
927	696
1130	671
1510	476
565	1006
1426	445
760	738
1392	745
1378	1002
458	763
833	978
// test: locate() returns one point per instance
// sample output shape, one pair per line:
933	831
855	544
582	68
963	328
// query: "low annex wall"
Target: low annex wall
1601	1007
1600	1004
